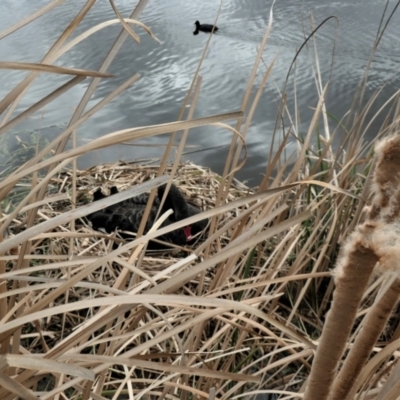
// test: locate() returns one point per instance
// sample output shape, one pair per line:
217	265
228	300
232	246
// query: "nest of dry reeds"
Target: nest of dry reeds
52	252
73	188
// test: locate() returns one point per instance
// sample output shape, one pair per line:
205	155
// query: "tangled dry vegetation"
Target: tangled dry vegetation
83	280
72	189
240	314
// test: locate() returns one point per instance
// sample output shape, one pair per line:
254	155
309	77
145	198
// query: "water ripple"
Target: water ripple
167	70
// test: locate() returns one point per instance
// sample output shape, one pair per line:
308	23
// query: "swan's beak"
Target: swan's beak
188	232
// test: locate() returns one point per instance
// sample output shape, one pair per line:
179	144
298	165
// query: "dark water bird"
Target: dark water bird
207	28
98	194
127	215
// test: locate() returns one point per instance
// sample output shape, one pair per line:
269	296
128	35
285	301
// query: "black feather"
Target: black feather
127	215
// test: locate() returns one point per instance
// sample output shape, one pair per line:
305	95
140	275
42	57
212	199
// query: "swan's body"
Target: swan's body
127	215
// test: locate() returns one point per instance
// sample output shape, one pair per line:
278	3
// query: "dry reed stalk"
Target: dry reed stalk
376	240
51	69
164	306
30	18
193	180
16	94
42	283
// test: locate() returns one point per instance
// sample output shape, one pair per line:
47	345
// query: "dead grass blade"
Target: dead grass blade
93	85
239	311
128	29
79	213
72	43
41	103
30	18
51	69
117	137
16	388
16	94
36	363
164	367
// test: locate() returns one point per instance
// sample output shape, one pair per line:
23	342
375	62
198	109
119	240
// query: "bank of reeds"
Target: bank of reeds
237	315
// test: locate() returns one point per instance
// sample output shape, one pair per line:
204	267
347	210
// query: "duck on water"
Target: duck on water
207	28
127	215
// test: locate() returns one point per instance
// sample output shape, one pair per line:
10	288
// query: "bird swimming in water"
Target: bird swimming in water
127	215
207	28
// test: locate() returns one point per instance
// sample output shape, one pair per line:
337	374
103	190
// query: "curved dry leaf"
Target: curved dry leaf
103	25
160	366
128	29
118	137
236	132
80	212
373	364
55	284
41	103
30	18
160	299
15	387
42	364
51	69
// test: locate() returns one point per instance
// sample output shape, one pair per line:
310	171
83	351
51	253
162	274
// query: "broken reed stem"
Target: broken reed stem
373	325
377	240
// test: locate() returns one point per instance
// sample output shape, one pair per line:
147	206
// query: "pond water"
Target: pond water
167	69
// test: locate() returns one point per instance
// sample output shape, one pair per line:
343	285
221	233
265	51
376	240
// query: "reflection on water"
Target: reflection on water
167	69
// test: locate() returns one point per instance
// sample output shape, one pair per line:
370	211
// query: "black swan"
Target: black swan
98	194
204	28
127	215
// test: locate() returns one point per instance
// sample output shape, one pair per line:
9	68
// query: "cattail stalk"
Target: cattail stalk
350	287
375	243
373	326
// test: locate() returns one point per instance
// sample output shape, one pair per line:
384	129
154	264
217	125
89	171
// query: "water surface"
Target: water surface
167	70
